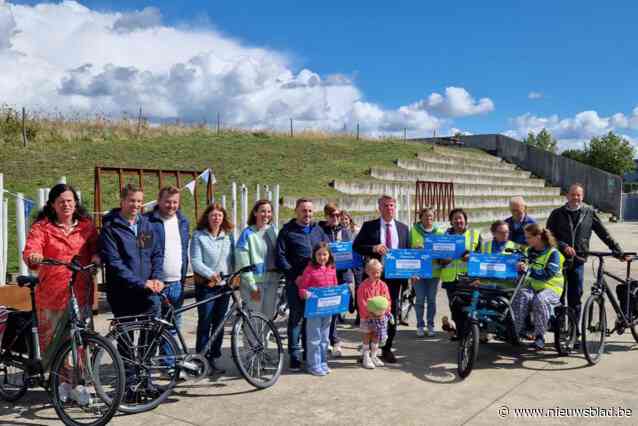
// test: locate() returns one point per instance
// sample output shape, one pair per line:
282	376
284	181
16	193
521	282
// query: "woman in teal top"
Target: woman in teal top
425	288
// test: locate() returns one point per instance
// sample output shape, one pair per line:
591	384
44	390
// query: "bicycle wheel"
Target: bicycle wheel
13	374
594	328
75	381
565	328
149	362
468	350
257	350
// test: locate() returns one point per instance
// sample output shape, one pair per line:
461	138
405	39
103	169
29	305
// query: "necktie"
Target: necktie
388	236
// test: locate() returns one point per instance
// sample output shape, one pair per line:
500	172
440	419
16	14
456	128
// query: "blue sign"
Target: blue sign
407	263
445	246
345	257
497	266
325	301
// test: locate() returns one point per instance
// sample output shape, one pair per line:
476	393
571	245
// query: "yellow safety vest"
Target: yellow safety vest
486	247
451	271
556	282
417	241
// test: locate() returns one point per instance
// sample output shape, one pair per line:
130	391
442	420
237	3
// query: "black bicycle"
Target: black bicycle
82	392
594	322
281	310
154	359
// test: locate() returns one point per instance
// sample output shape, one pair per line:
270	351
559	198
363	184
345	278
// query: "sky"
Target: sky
506	67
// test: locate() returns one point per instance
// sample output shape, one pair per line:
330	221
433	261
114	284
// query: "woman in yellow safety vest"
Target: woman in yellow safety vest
452	268
544	285
425	288
499	244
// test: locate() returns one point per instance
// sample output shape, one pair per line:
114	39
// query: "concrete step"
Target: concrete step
379	187
463	162
451	176
368	203
418	165
466	153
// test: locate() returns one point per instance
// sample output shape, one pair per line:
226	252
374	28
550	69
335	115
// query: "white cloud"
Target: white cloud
67	57
535	95
457	102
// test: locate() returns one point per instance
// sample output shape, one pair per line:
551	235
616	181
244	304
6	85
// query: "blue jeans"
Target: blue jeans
296	330
425	289
174	291
574	279
317	334
209	316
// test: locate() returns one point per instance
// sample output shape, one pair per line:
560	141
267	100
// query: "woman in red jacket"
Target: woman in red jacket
62	230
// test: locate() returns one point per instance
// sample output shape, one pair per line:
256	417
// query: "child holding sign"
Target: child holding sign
374	319
320	272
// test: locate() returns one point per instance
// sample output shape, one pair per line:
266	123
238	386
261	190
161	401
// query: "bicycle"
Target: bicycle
594	322
76	390
281	310
151	352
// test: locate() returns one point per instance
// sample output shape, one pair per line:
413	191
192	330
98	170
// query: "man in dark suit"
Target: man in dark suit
374	240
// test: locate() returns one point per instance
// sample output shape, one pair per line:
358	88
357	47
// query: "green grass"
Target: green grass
302	165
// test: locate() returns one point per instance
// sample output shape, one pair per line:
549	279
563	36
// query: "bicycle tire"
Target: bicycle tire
137	363
259	335
12	395
592	345
565	328
634	331
59	370
468	350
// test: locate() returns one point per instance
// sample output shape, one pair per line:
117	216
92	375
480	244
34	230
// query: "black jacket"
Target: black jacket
578	233
370	235
294	248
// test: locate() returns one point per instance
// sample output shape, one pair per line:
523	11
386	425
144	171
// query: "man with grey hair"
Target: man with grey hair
519	220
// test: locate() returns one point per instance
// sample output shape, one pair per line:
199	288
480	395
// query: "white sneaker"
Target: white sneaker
81	395
420	332
376	361
64	390
336	350
431	332
367	361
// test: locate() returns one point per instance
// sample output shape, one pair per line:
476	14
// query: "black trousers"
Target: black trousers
456	309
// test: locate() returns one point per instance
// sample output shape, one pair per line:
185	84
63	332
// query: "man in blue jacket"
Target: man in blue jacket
133	254
172	228
294	250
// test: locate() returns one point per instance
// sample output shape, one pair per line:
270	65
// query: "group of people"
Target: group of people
145	254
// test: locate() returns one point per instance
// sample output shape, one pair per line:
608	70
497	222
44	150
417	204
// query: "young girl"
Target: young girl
320	272
372	324
545	283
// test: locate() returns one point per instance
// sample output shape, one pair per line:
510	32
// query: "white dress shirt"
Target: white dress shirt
395	234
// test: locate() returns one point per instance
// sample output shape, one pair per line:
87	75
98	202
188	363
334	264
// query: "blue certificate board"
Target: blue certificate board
497	266
345	257
407	263
327	301
445	246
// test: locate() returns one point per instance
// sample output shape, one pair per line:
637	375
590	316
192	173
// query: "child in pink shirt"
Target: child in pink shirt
320	272
371	287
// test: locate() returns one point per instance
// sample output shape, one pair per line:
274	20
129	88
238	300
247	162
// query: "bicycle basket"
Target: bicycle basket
622	293
15	324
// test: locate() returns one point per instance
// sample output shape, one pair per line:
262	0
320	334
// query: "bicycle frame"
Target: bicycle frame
600	288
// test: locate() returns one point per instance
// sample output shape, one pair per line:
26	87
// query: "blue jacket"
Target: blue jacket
130	260
294	247
211	254
517	230
184	233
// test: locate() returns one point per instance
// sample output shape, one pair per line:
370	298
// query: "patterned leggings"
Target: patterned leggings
541	304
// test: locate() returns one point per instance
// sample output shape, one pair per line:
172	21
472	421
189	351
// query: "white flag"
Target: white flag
191	186
206	174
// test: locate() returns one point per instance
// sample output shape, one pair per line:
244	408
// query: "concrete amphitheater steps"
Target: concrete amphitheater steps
452	175
378	187
437	167
467	154
464	162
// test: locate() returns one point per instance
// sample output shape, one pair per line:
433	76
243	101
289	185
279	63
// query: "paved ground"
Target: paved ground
422	389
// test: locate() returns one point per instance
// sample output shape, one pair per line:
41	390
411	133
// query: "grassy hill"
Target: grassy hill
302	165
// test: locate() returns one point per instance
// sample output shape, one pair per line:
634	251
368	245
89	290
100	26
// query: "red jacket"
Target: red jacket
369	289
49	240
316	276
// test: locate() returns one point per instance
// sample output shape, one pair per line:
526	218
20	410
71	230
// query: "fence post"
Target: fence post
244	206
258	193
41	198
139	122
24	129
233	195
218	124
21	231
79	196
276	206
291	130
4	235
62	180
3	220
224	201
357	130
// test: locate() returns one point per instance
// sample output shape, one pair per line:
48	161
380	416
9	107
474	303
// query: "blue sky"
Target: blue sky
577	56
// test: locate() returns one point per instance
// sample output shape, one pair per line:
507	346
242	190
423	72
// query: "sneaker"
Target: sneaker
431	332
81	395
376	361
367	361
317	372
336	350
388	356
325	368
64	389
295	365
539	343
420	332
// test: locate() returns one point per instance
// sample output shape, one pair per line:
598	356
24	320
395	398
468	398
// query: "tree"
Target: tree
576	154
543	140
611	153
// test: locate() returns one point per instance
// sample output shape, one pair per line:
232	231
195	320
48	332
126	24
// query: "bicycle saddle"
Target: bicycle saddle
26	280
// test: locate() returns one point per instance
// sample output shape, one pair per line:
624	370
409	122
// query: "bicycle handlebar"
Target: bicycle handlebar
73	265
601	254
